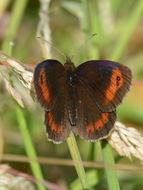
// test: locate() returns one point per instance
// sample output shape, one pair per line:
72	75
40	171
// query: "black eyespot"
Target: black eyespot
118	78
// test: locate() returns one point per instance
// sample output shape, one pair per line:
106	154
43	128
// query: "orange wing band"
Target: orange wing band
99	124
116	82
54	127
44	87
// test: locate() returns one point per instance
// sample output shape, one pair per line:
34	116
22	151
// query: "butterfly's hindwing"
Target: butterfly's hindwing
57	123
92	123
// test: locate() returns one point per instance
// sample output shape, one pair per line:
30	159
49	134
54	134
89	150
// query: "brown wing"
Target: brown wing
49	81
57	123
51	92
107	82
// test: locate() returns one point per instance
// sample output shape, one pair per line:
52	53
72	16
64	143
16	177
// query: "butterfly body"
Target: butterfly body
71	96
81	99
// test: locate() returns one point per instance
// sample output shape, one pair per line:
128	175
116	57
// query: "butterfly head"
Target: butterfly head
69	65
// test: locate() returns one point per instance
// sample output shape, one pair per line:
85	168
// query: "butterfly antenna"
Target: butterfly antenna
83	44
52	45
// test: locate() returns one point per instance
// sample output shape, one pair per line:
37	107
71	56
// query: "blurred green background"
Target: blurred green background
119	36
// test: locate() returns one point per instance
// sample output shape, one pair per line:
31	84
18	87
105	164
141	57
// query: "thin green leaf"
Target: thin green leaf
29	147
16	16
108	158
77	161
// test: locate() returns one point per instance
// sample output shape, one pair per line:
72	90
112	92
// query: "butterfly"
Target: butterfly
80	99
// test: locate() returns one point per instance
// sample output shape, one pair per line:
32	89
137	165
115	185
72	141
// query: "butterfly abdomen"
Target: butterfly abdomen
71	101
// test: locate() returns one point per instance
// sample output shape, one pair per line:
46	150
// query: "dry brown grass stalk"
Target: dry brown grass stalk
127	141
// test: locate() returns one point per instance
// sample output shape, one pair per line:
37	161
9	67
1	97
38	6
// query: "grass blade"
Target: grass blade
77	161
30	150
16	16
108	158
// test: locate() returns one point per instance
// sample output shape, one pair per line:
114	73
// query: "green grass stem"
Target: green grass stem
16	17
29	147
108	158
77	161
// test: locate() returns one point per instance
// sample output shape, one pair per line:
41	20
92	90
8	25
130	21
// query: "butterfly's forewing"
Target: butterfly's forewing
92	124
107	82
49	77
50	87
